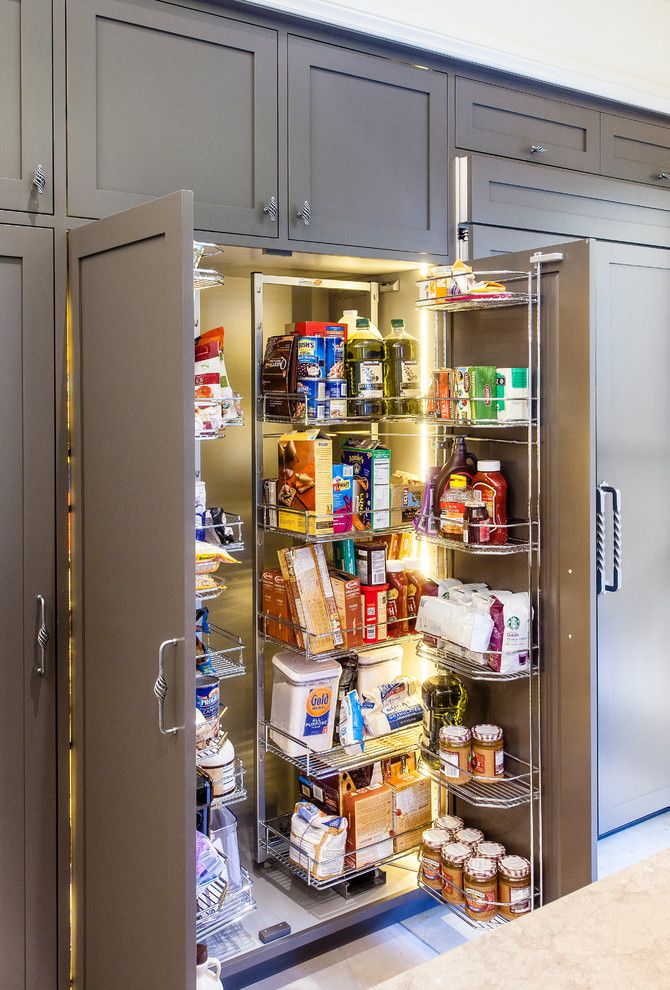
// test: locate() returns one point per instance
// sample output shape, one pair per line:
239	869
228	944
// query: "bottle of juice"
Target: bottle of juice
364	363
401	372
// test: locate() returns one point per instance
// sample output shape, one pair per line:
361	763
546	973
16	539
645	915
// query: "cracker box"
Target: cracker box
411	810
369	812
305	482
371	462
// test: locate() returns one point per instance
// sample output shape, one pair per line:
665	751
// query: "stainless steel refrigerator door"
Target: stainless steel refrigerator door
133	599
633	456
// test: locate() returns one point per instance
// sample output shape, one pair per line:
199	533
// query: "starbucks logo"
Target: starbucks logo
513	622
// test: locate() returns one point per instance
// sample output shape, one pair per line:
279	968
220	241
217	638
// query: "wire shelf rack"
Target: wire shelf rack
297	410
459	910
512	790
314	528
468	303
214	416
225	652
205	530
472	665
219	905
517	539
208	594
318	765
239	793
276	839
300	639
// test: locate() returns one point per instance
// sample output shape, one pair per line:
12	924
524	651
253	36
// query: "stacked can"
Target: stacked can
321	369
336	384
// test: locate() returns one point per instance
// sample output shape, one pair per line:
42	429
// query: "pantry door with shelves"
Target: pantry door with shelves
133	781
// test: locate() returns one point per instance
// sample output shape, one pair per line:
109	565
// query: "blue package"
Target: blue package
311	357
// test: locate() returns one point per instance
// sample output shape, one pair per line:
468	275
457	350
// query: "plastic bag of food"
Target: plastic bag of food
317	841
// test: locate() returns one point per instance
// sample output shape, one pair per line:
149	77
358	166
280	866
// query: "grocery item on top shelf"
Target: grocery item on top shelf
343	497
323	349
364	364
215	402
317	842
369	812
348	321
512	394
457	281
304	696
279	375
371	462
305	482
402	383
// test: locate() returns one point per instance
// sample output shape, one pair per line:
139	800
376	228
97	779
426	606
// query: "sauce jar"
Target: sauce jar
470	836
450	823
488	757
480	886
513	886
454	857
476	525
490	850
455	753
432	841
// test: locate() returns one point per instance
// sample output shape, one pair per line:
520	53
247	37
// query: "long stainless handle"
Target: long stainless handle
602	584
537	149
161	688
271	209
42	636
305	213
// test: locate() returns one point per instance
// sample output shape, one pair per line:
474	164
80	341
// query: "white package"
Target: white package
510	652
460	624
318	841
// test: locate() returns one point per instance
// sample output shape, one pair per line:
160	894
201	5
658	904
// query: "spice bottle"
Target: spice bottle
450	823
488	757
455	753
492	488
513	886
490	850
480	886
396	602
454	857
432	841
476	524
470	836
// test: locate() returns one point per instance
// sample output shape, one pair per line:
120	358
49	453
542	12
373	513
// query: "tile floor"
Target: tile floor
367	961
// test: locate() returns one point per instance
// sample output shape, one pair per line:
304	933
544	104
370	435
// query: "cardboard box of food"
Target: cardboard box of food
411	810
329	792
305	482
347	591
371	462
369	812
310	596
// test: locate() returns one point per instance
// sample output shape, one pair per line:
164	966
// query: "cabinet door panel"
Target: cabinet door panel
169	98
367	150
25	104
504	121
133	458
28	940
634	149
486	242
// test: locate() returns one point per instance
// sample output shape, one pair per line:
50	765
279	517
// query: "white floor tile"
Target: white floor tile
633	844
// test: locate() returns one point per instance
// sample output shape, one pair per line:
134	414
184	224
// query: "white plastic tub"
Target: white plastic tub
304	698
377	667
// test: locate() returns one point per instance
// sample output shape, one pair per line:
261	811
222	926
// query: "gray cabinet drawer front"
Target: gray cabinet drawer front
164	99
487	242
513	194
634	149
503	121
25	104
367	150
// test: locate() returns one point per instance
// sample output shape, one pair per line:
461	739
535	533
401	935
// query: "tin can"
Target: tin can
311	357
207	699
336	388
335	354
336	408
314	391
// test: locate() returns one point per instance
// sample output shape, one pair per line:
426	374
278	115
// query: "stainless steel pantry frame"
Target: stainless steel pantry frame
258	282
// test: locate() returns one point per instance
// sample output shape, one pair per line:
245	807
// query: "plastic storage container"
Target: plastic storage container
304	699
378	667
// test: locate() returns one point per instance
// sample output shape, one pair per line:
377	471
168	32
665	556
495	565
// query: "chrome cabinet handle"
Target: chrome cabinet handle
39	179
161	688
42	637
537	149
271	209
305	213
602	584
664	175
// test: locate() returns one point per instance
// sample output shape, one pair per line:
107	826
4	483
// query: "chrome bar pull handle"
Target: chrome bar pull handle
538	149
42	636
271	209
161	688
602	584
305	213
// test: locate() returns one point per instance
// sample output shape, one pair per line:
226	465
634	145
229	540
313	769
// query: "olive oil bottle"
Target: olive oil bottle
402	384
364	363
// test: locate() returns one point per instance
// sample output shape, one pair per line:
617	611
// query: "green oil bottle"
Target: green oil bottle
402	382
364	363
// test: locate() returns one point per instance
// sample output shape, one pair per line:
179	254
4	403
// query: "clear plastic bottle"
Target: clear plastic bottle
349	317
364	363
402	385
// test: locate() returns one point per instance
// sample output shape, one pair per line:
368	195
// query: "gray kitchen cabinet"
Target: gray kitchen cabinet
635	149
28	823
25	105
162	98
507	122
485	242
368	162
133	779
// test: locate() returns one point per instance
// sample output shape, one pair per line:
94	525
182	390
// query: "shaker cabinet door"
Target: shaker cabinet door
162	98
28	825
635	149
367	143
25	106
133	598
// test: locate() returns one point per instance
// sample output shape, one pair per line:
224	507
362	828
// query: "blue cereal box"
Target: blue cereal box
371	462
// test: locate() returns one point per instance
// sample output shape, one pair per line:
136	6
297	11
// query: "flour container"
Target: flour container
378	667
304	699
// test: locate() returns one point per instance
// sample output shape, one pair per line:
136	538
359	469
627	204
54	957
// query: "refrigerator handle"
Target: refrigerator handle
600	543
601	582
161	688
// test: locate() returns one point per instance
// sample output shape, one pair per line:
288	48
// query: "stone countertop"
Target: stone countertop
613	934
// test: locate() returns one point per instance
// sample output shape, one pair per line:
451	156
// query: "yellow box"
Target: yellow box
305	482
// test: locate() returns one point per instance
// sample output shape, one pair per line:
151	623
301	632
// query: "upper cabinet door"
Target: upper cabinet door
162	98
634	149
502	121
25	106
133	598
368	162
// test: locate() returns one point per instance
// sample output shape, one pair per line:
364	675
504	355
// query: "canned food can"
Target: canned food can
336	388
314	391
335	354
311	357
336	408
207	699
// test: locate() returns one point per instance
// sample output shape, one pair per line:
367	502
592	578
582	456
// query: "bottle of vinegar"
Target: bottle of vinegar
402	385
